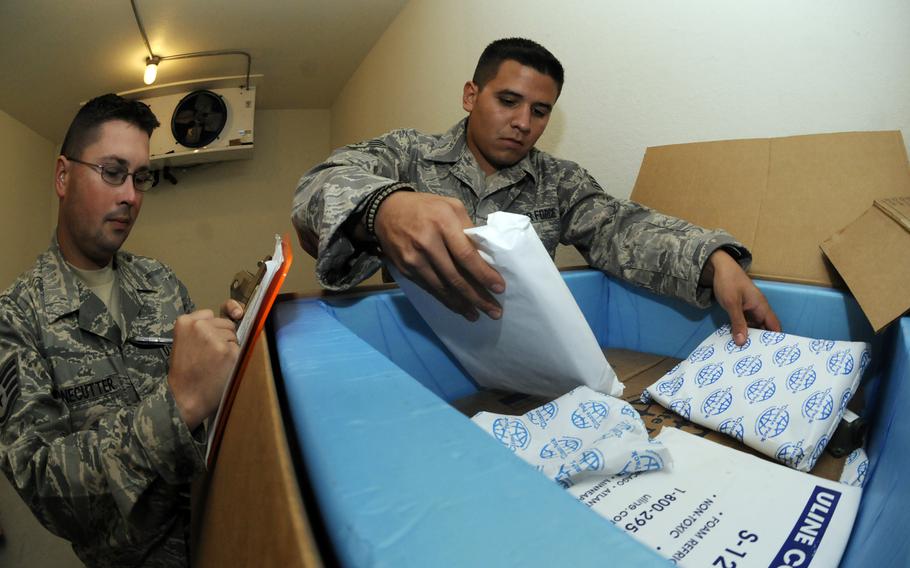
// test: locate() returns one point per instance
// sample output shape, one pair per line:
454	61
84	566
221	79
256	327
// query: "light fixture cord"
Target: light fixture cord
249	59
142	31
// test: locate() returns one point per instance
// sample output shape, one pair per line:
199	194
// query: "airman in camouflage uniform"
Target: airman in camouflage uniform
100	417
91	436
565	205
410	195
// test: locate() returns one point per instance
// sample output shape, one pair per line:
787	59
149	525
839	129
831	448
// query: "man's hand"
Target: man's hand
738	295
203	355
232	310
422	234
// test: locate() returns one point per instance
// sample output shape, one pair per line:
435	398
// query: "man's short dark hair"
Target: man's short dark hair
83	131
522	50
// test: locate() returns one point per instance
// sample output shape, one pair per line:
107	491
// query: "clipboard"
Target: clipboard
261	289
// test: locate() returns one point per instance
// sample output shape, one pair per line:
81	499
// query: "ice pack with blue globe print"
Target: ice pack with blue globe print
580	434
855	468
778	393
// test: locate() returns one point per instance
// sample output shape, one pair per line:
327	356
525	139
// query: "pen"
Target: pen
151	341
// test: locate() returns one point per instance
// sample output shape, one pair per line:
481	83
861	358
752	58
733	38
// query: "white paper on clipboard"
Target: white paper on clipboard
245	329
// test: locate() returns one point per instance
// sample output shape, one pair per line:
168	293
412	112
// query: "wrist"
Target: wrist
716	262
187	406
375	201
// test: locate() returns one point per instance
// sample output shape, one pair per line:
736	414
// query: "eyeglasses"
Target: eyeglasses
115	174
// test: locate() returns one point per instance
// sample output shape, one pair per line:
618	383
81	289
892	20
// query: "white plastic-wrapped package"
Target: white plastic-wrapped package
781	394
542	344
580	434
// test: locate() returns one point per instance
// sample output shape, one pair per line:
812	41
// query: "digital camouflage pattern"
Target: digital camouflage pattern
565	205
90	434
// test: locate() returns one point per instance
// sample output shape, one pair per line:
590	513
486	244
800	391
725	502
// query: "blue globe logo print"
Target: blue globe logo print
852	457
732	427
817	452
560	447
645	460
791	454
717	402
801	379
840	363
645	397
512	433
709	374
732	347
630	412
702	353
864	360
747	366
760	390
786	355
723	330
772	422
675	368
617	431
772	337
590	460
818	406
544	415
861	472
670	387
819	345
683	407
844	399
590	414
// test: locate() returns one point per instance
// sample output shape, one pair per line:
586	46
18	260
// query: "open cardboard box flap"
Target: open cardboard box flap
872	254
781	197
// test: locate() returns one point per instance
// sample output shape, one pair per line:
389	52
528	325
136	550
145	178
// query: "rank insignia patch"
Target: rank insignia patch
9	389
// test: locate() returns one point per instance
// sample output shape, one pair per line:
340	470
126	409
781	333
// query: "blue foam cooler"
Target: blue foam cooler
403	479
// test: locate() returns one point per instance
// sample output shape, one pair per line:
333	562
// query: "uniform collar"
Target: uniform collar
64	292
451	147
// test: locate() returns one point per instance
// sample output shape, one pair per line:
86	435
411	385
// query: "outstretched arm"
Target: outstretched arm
738	295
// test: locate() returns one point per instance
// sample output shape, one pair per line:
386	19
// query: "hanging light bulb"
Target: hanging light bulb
151	69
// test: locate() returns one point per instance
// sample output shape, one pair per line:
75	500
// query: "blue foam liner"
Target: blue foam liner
403	479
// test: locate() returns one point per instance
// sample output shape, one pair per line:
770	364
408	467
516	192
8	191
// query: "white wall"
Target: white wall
27	168
221	218
641	74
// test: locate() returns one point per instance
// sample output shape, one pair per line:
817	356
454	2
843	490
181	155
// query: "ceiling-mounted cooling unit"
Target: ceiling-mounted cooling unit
204	125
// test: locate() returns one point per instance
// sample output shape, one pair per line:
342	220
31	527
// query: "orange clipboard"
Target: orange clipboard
246	350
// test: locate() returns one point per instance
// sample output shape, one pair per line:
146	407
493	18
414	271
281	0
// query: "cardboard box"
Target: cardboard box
249	510
403	478
872	255
781	197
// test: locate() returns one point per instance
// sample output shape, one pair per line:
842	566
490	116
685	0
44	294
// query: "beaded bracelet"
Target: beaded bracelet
376	200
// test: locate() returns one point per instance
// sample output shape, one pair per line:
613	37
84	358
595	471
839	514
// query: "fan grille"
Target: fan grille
198	119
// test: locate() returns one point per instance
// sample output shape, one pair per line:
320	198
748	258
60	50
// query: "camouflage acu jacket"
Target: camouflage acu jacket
565	205
90	434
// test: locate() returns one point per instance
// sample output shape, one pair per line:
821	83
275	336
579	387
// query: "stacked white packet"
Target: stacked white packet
781	394
580	434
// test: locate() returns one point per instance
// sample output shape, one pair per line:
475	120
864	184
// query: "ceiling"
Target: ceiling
56	54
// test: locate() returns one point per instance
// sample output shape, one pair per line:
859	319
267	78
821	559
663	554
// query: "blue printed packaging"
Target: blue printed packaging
581	434
780	394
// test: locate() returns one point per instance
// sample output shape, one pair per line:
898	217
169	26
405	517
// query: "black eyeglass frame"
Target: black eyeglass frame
124	173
